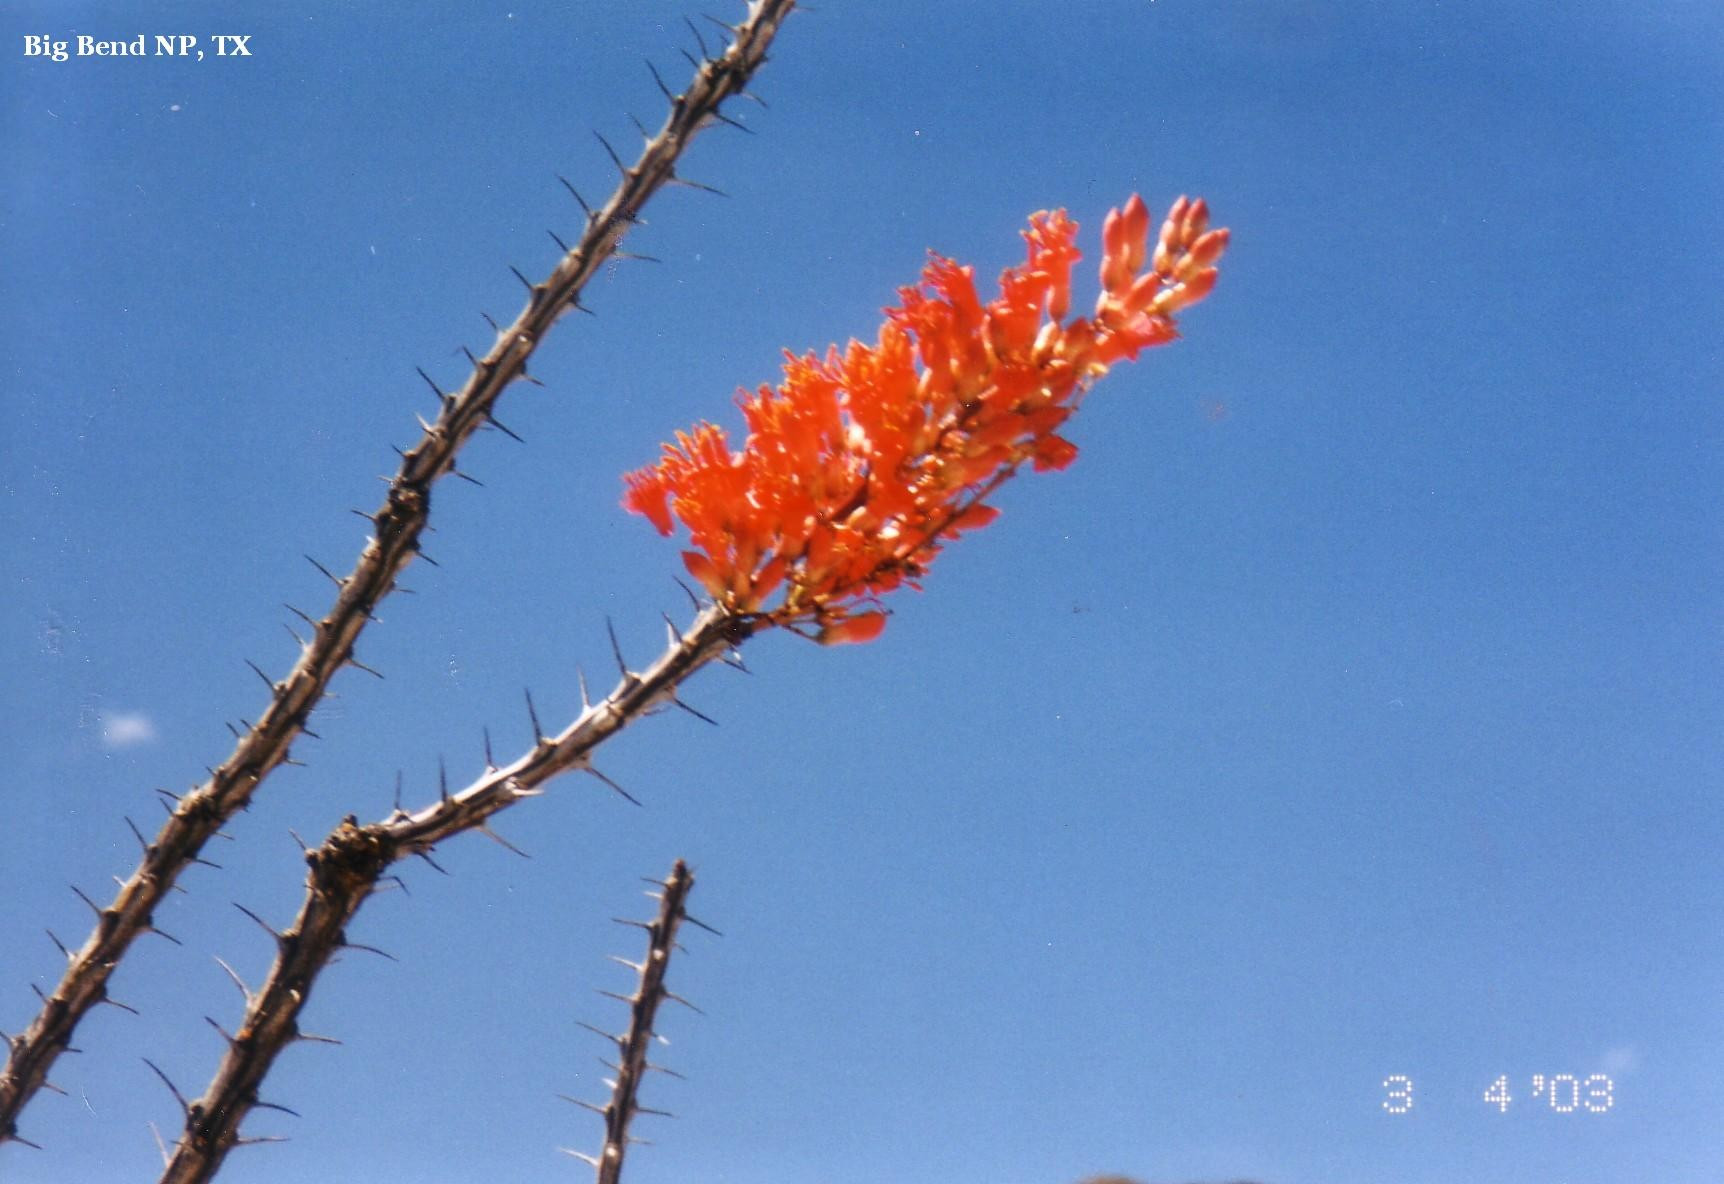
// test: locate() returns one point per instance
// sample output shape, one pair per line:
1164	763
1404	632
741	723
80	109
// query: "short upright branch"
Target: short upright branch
631	1065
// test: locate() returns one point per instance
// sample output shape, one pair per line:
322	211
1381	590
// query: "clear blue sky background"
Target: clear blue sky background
1351	708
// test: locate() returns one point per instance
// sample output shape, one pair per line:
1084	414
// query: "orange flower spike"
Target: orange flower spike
857	464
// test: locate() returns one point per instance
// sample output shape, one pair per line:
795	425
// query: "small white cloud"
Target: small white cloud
124	729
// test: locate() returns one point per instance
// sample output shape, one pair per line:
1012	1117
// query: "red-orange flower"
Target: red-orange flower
860	464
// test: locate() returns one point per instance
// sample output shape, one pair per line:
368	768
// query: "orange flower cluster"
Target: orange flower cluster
860	464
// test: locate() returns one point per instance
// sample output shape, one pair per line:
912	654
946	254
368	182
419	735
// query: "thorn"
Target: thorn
161	1146
533	717
232	731
524	280
699	924
467	478
581	677
602	1111
658	78
358	665
442	780
142	842
327	573
245	992
261	1104
639	1109
589	1160
617	649
471	360
178	1096
224	1032
495	327
639	126
673	634
687	184
668	1072
692	598
730	30
646	925
723	118
209	863
501	841
576	194
93	906
151	928
679	999
692	60
517	791
496	423
426	856
734	661
261	923
698	39
300	615
58	944
637	967
697	714
753	98
489	762
311	1038
625	793
398	809
612	153
302	844
49	1085
291	633
255	1140
303	731
614	1039
435	389
353	945
15	1137
635	255
258	670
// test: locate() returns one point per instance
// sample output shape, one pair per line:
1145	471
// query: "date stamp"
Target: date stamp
1563	1093
158	45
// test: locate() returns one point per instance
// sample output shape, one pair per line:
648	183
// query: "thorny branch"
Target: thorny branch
631	1065
353	860
397	526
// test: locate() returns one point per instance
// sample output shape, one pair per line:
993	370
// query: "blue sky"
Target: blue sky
1351	708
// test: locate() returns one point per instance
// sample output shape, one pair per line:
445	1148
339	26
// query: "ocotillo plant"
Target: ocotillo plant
398	525
856	471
